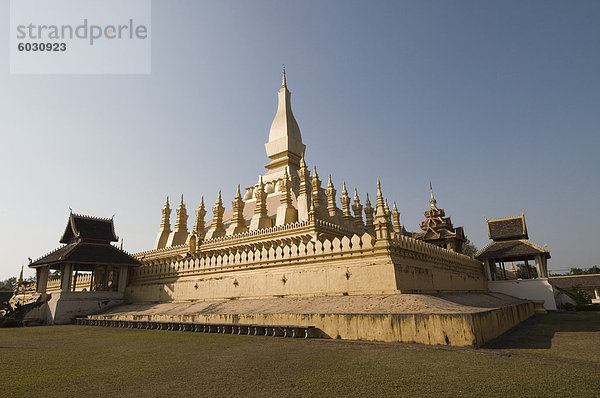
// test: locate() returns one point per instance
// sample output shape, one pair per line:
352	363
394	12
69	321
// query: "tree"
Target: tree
523	274
581	296
594	270
9	284
469	248
579	271
575	271
54	275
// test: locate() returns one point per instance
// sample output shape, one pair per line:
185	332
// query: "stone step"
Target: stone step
223	328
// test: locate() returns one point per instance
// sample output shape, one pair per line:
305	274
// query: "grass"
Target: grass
551	355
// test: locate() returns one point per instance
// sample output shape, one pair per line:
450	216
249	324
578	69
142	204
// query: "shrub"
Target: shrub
581	296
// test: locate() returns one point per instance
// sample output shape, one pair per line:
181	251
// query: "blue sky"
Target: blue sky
497	103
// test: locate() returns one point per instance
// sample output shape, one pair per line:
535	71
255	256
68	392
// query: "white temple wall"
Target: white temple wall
529	289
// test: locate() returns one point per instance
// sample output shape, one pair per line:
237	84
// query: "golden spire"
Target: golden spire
432	201
166	216
345	200
381	215
200	225
357	208
396	219
285	147
369	216
286	198
283	82
331	207
238	224
182	217
217	229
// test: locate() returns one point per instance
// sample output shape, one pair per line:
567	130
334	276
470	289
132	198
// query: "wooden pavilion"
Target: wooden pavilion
509	244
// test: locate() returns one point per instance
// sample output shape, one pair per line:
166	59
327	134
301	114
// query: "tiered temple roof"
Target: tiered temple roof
437	229
87	243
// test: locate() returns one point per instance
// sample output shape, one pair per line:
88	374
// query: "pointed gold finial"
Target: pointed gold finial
181	202
329	183
283	82
432	200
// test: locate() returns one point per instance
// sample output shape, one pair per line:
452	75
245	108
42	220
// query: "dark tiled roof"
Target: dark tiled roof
88	228
87	253
568	282
507	228
511	250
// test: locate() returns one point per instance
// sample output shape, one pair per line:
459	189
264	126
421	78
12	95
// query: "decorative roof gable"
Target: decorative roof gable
86	228
507	228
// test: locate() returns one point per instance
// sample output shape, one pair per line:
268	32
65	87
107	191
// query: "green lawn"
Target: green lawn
552	355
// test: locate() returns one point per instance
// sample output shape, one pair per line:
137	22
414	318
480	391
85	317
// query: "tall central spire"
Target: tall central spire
283	82
285	147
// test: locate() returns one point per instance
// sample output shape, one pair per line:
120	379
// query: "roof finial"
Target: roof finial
181	202
432	201
283	82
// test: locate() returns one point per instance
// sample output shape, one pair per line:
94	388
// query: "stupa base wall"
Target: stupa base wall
341	267
334	278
